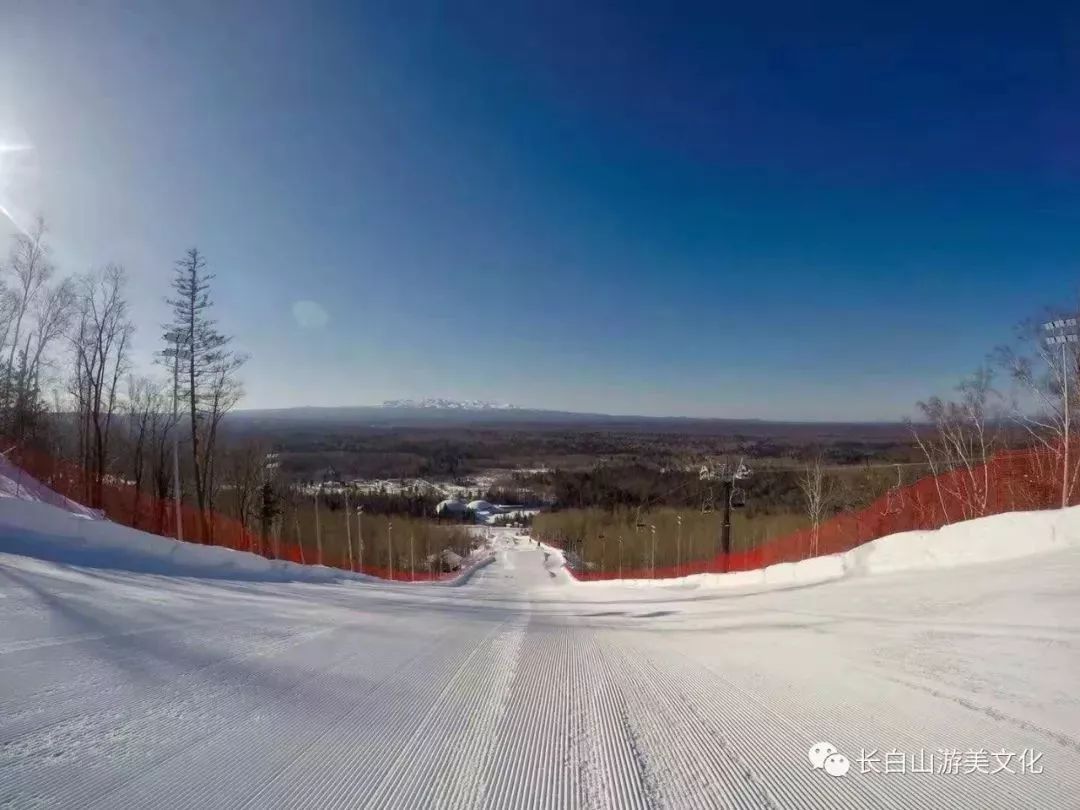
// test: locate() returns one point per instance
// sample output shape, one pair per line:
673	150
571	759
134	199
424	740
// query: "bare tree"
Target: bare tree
245	471
149	422
966	434
29	264
34	314
207	367
819	491
224	392
101	344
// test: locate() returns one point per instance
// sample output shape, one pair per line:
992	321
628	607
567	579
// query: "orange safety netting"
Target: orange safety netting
1010	481
122	503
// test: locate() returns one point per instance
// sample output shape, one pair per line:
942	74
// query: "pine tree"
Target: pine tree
205	367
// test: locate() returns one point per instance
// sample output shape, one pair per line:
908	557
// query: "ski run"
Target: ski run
157	676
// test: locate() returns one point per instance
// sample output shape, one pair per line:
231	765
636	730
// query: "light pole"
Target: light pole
1063	332
318	530
360	537
678	546
619	538
348	530
725	528
390	545
603	552
652	553
412	564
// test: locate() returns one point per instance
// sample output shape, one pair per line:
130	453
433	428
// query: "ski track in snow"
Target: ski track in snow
522	689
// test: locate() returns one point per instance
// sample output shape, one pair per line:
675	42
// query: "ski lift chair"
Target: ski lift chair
708	503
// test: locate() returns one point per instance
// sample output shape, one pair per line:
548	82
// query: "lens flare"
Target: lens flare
11	153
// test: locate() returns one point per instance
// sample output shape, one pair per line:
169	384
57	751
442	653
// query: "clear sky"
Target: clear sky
791	209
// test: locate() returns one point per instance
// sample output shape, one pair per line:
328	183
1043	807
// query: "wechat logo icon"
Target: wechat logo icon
824	756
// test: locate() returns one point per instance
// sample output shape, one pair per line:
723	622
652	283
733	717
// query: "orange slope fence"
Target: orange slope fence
122	503
1012	480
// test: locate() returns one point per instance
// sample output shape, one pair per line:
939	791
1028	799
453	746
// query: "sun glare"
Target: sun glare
8	170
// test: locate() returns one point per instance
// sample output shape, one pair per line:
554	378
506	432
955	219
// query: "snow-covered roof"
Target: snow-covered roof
454	507
480	506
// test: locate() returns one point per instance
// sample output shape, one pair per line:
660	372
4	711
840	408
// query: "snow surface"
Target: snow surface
15	483
135	676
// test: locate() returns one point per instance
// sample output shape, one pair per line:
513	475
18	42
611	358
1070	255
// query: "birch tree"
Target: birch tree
965	434
819	491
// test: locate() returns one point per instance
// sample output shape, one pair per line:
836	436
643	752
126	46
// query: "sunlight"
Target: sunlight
7	178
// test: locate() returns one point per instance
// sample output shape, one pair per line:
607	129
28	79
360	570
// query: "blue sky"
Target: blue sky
786	211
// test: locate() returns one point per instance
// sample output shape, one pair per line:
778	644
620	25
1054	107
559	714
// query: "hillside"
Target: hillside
192	682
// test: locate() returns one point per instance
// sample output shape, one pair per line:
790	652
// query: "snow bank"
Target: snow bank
18	484
32	528
989	539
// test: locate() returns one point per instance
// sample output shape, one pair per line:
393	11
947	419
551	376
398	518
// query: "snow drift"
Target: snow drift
990	539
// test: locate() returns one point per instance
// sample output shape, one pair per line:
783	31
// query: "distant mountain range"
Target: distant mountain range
438	403
445	413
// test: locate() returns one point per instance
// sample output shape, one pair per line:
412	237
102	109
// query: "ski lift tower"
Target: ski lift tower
734	497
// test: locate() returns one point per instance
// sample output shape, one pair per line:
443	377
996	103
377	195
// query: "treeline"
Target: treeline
413	504
771	489
364	451
360	540
69	385
618	540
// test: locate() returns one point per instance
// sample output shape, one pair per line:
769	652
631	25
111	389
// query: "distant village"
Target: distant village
460	501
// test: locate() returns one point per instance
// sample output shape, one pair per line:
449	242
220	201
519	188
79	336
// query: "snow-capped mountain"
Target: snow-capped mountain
449	404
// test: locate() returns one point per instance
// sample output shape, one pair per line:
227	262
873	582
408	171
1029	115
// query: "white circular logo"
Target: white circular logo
818	753
837	765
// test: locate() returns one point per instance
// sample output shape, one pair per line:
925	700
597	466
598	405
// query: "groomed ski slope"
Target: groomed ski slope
124	685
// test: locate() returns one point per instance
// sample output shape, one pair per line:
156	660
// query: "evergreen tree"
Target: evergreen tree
205	367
